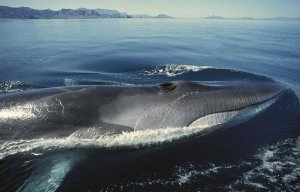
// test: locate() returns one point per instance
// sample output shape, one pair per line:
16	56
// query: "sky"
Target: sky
176	8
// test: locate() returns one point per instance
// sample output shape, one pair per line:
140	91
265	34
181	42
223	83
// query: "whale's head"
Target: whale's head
182	103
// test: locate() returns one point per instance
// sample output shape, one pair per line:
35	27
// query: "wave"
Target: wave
15	86
172	70
274	167
73	82
150	75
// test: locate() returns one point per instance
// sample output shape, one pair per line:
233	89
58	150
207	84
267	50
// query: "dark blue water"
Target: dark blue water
36	54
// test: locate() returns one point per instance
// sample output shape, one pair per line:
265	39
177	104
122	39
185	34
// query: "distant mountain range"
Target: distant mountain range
28	13
81	13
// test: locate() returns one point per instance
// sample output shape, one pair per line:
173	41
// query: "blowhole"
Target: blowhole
167	86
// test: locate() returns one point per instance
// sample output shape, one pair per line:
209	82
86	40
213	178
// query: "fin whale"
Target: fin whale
59	112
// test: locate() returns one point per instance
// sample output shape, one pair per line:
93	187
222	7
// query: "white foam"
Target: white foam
277	165
186	177
17	112
69	82
172	70
186	174
126	139
10	86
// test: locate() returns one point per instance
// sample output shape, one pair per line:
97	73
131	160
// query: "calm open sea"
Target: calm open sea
46	53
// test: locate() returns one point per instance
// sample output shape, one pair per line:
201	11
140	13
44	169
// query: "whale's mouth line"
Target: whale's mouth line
214	119
234	117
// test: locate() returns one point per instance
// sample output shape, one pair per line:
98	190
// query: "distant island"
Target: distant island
163	16
214	17
81	13
251	18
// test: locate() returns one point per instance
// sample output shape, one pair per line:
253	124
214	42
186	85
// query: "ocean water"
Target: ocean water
262	154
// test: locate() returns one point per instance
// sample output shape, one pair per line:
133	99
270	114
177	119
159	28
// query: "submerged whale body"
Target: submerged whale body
59	112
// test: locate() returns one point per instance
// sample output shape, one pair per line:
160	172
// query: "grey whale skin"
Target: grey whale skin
59	112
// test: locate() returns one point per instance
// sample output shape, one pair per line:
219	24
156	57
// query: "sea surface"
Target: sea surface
259	155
